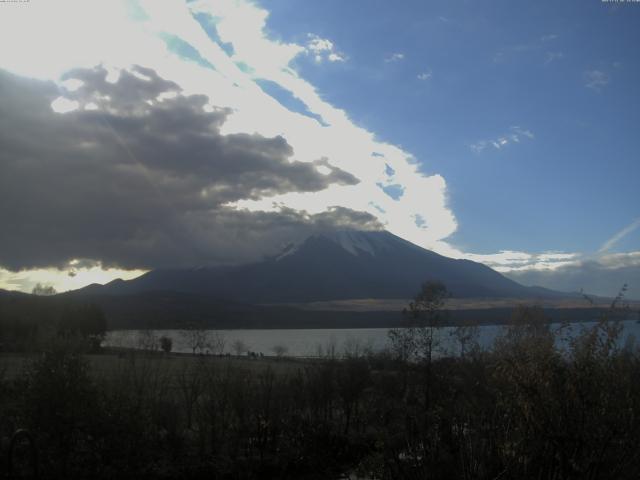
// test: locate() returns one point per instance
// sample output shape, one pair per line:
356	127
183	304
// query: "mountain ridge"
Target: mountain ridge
336	265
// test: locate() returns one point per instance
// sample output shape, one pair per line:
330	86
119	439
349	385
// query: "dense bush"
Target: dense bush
531	407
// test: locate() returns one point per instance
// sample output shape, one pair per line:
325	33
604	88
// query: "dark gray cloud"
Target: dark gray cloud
604	277
139	175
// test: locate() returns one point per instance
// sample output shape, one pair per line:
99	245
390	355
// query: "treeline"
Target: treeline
541	404
28	322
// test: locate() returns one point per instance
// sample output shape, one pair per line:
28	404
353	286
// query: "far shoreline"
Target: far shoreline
337	320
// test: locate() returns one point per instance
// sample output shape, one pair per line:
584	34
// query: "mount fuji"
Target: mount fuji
336	265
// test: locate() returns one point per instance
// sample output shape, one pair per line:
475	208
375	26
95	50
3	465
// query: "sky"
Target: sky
138	135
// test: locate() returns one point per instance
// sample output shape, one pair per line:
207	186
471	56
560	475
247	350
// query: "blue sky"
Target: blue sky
502	132
492	66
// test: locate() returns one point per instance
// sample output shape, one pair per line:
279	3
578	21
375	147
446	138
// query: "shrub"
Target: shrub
166	344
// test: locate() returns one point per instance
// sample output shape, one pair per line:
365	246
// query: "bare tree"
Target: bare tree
420	338
43	290
328	350
215	343
424	319
427	317
355	348
466	335
280	350
148	341
196	339
239	347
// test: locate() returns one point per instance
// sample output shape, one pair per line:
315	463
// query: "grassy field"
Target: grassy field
104	365
396	305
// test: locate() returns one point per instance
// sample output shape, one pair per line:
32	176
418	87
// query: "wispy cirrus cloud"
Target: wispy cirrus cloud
552	57
514	135
611	242
394	57
425	75
596	79
534	47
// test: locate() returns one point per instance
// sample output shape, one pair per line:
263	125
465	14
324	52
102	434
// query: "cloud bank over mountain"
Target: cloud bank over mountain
139	176
605	275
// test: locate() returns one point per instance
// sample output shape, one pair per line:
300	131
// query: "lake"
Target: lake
309	342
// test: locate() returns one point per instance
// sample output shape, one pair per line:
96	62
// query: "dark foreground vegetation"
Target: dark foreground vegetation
31	322
533	406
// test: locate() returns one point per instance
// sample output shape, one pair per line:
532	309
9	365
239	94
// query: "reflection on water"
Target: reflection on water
310	342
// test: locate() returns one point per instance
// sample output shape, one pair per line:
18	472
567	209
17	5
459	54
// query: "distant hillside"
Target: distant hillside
27	320
185	310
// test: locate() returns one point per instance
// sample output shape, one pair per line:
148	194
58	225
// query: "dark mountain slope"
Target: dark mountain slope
332	266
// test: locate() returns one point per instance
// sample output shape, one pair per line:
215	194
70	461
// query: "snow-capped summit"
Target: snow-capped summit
371	242
335	265
356	242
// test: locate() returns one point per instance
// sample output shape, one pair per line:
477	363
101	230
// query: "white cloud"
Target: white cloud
425	75
323	49
532	47
552	56
611	242
514	135
596	79
556	257
59	26
64	105
604	275
513	261
355	150
394	57
620	260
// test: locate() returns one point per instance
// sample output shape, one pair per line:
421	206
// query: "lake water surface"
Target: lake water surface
311	342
